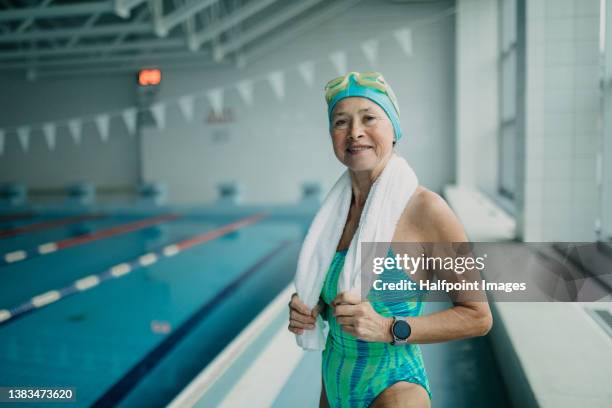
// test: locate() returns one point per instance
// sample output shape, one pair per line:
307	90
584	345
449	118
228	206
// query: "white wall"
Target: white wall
562	111
477	42
274	145
112	164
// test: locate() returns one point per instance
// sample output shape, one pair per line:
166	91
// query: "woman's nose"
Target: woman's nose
356	131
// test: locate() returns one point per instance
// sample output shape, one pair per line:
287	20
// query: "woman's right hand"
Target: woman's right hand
300	317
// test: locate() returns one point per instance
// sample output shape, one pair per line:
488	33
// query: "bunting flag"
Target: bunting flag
185	104
245	89
23	132
306	70
277	82
215	97
370	50
338	59
404	38
74	126
49	131
102	123
129	118
158	111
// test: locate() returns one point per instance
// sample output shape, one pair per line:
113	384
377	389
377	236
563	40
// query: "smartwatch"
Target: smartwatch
400	330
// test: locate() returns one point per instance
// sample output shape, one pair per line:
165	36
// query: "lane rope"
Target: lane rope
44	225
50	247
122	269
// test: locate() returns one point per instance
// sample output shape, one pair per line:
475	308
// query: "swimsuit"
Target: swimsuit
356	371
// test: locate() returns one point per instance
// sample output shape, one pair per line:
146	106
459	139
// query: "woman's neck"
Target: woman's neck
362	182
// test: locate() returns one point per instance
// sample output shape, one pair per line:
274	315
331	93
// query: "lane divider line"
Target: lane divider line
15	256
121	269
47	248
44	225
50	247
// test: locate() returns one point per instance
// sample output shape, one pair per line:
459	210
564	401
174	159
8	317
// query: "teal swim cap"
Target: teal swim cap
370	85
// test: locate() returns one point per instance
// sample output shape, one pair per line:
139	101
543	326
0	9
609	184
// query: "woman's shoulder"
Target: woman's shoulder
428	216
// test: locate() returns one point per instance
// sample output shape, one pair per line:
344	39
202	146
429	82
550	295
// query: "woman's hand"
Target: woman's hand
360	319
300	317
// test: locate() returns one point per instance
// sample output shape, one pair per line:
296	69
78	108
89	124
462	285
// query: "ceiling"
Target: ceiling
71	37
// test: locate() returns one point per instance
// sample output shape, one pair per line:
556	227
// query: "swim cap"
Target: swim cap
369	85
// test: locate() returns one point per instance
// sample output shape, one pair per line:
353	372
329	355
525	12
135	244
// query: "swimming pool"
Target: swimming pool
127	307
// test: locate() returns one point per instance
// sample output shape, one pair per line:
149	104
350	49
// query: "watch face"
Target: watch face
401	329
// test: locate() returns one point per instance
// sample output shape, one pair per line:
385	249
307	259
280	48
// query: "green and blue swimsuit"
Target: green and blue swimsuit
356	371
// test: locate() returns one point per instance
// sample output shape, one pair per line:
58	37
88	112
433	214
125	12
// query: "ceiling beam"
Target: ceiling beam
88	24
123	8
146	58
96	31
65	10
302	26
28	21
178	15
235	18
121	37
85	49
268	25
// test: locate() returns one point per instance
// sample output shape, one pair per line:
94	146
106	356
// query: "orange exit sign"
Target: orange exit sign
149	77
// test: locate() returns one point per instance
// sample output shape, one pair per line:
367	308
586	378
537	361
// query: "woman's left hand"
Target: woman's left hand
360	319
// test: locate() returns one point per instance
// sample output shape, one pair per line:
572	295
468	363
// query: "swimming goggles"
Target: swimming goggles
370	79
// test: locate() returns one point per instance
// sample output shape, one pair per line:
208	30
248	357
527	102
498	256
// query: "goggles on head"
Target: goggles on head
370	79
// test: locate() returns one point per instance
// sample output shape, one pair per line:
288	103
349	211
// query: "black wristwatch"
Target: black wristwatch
400	330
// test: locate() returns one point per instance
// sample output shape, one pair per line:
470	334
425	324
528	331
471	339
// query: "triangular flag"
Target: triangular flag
102	123
370	50
245	89
1	142
129	118
186	105
215	97
74	126
159	114
404	37
23	133
277	82
49	131
306	69
338	59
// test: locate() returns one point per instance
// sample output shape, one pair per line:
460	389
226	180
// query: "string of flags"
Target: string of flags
185	103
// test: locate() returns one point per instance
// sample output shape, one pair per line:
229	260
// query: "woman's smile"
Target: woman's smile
356	150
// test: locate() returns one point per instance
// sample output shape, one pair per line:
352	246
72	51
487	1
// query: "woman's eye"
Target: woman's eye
340	122
369	118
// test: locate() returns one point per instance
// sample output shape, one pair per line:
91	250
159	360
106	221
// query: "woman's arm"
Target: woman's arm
437	223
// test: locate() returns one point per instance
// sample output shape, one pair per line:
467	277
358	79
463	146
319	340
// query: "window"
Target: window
605	40
507	143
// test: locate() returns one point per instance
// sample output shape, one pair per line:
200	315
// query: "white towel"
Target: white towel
386	201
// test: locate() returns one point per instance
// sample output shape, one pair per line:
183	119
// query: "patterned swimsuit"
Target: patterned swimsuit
356	371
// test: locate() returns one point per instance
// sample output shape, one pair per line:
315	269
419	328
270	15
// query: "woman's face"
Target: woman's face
362	133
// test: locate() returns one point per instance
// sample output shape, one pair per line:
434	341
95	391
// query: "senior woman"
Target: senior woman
371	356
